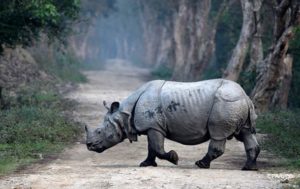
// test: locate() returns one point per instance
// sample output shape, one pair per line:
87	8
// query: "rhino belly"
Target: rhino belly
186	107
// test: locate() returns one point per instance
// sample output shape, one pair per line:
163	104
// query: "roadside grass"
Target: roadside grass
33	127
283	131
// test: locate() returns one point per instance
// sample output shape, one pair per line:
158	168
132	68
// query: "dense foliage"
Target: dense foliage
22	21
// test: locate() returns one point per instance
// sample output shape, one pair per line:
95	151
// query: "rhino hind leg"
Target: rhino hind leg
156	149
251	147
215	149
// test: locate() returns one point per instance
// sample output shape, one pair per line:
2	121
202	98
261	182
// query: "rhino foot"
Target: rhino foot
173	157
250	167
251	159
202	164
148	163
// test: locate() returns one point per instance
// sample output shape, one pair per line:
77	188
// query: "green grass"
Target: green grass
283	131
11	164
32	126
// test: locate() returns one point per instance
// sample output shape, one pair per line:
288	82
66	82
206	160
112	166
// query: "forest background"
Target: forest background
45	43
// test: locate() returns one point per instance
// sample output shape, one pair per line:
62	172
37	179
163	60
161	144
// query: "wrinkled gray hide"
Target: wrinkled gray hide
188	113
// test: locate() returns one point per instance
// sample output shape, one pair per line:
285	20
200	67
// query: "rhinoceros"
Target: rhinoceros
186	112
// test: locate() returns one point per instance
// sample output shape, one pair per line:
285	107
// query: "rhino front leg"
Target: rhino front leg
156	148
215	149
150	160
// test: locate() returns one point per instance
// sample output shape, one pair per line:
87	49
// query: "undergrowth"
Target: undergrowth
63	65
32	126
283	131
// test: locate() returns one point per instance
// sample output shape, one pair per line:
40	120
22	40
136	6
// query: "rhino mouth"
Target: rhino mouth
99	150
96	149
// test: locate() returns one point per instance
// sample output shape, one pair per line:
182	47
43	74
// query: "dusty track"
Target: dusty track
118	166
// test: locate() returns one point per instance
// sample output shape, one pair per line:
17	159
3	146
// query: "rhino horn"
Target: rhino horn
86	129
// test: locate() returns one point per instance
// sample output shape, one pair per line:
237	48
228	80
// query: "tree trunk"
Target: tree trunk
151	33
282	93
166	52
190	37
270	76
273	80
256	47
237	59
183	40
1	99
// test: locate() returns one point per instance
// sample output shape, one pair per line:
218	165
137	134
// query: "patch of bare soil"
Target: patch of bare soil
118	167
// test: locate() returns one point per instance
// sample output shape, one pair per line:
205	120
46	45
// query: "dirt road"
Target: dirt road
118	167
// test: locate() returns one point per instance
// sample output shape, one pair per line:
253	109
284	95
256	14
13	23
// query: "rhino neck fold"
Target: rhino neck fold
119	128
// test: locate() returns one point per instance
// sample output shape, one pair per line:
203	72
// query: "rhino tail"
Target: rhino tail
252	116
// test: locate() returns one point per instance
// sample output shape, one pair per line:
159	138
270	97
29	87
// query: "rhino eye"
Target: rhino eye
98	131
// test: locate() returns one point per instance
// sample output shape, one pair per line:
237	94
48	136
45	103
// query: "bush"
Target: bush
283	131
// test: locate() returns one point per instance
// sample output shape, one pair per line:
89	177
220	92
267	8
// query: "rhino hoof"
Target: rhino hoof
173	157
250	168
148	163
202	164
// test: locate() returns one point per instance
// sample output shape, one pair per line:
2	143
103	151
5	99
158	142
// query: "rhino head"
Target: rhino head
110	133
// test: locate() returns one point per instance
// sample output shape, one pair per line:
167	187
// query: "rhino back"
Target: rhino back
186	107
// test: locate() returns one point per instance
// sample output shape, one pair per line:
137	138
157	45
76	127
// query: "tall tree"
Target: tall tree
274	73
194	34
181	34
157	20
237	59
256	46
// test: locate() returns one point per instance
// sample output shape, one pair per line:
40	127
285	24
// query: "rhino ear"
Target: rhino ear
114	107
105	105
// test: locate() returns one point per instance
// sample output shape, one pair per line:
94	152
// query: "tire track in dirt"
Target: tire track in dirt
118	167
